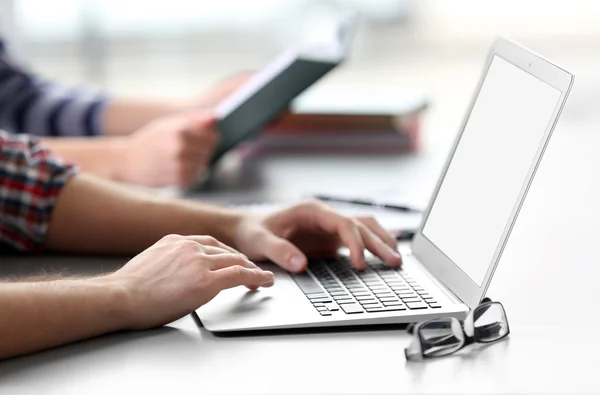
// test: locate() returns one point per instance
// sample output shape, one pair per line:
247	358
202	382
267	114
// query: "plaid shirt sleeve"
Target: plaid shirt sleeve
31	179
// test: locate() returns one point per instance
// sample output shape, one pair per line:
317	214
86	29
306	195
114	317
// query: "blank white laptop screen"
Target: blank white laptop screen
489	167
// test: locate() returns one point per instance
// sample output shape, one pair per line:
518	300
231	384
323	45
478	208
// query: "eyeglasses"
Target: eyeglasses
486	323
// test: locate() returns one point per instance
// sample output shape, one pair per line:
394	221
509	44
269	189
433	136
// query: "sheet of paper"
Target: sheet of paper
389	219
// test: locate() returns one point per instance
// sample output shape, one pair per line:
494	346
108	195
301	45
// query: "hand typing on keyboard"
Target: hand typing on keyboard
286	237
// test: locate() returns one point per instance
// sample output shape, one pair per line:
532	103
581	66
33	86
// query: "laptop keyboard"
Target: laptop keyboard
340	288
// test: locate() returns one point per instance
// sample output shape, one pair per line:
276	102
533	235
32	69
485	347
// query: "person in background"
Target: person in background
188	252
145	142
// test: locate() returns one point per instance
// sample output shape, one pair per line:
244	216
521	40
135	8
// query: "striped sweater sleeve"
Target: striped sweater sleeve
31	179
29	105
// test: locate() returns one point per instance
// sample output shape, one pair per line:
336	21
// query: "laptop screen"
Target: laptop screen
489	167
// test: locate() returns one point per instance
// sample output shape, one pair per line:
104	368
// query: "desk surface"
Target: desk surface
547	280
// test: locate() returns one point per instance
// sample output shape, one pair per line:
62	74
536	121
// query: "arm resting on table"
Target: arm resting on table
40	315
97	216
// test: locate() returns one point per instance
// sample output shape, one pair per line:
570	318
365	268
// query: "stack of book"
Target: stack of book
346	122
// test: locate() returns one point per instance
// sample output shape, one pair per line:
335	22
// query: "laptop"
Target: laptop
453	255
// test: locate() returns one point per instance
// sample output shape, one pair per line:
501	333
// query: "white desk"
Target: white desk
547	280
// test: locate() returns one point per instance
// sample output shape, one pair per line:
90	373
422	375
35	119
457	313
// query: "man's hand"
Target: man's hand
312	228
153	143
170	279
219	91
179	274
172	151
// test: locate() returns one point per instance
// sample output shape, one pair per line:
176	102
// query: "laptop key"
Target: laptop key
370	279
392	296
354	308
396	281
389	304
356	287
306	283
394	308
371	300
410	298
355	291
342	297
389	299
383	292
380	285
416	305
317	296
365	297
434	305
400	287
333	307
325	299
345	301
368	302
391	276
361	293
367	274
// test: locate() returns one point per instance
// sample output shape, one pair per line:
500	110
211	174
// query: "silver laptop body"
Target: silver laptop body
452	258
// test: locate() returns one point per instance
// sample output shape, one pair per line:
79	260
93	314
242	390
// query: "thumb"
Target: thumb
283	253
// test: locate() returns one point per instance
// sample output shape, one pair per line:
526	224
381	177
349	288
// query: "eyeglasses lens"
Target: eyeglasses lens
441	337
490	323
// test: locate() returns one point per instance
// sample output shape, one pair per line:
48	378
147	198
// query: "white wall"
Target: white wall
436	19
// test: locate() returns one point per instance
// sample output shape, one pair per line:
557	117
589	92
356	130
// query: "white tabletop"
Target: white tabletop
547	281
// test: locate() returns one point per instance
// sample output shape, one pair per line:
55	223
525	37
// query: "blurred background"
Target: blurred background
179	47
175	47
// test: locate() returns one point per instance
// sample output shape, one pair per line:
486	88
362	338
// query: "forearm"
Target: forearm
40	315
102	156
97	216
125	116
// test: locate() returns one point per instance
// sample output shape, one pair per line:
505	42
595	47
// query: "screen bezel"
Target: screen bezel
440	266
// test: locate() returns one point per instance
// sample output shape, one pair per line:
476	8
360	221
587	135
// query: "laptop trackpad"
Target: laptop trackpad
242	309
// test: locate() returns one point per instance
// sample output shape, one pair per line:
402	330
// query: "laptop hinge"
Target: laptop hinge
407	252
